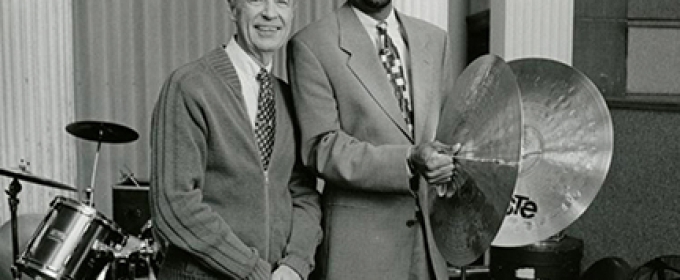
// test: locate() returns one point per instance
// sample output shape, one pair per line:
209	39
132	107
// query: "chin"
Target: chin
376	4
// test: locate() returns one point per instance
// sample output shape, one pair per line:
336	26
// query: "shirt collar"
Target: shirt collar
242	60
370	23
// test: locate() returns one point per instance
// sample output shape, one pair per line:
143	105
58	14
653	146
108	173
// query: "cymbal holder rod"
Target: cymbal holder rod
486	160
89	192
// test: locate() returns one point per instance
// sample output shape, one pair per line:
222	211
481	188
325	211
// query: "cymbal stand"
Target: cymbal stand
464	271
12	193
89	191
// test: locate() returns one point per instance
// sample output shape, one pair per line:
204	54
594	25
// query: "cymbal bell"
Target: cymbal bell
23	176
487	120
99	131
566	151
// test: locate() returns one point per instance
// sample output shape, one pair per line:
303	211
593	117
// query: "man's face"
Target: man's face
263	25
371	6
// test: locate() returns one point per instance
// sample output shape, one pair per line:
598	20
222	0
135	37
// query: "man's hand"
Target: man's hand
433	161
284	272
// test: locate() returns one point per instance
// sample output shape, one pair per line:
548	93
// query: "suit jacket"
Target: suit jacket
354	136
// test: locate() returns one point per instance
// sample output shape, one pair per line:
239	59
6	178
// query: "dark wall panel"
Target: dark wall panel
636	214
656	9
600	53
602	9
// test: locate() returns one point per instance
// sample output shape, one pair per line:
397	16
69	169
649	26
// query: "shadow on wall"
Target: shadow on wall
27	225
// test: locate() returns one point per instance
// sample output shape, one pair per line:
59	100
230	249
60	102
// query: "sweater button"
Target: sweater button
411	223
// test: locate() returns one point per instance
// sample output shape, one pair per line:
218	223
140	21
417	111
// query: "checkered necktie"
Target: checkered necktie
389	55
266	120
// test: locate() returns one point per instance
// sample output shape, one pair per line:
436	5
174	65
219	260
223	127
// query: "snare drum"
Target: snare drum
71	243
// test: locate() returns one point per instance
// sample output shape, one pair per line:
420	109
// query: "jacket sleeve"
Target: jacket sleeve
327	149
306	229
178	154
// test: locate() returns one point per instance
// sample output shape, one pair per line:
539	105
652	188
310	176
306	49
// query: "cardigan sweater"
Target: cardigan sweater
210	196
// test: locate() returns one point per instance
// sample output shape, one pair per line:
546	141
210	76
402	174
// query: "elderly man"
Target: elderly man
368	84
228	196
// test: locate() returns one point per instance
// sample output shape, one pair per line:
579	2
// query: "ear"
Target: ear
232	9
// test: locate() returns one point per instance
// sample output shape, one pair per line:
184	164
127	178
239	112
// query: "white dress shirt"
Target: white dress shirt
247	69
393	30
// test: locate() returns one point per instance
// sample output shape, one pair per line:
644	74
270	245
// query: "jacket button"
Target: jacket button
411	223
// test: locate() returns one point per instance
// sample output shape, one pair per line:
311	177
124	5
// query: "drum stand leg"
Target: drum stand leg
12	193
89	191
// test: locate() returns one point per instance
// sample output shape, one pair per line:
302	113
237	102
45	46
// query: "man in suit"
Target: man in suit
229	196
371	141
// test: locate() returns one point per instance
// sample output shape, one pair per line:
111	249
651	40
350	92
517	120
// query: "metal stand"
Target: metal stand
89	191
12	193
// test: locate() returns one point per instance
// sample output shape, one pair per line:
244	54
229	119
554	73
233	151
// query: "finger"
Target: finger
439	179
452	189
456	148
438	161
442	171
440	147
441	190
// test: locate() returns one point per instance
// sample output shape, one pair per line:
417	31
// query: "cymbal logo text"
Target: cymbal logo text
522	206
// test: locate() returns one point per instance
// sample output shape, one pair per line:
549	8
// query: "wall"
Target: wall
636	214
36	99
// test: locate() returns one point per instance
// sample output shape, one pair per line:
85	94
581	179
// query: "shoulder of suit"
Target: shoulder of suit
422	25
325	25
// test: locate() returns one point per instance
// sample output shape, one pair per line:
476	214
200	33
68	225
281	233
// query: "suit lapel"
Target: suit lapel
365	64
421	75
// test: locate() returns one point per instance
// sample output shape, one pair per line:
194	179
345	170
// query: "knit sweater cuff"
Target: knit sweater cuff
262	271
298	264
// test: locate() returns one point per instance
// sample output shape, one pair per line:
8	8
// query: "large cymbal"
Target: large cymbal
487	121
23	176
566	151
99	131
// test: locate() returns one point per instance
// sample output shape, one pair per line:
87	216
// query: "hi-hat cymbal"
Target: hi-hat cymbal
566	151
23	176
105	132
487	121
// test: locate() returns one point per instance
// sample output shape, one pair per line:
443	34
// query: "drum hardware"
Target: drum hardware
464	271
101	132
139	255
73	242
13	191
533	165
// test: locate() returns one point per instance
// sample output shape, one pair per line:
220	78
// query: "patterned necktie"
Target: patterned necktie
389	55
266	118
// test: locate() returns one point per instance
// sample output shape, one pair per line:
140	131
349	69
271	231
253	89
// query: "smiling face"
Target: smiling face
263	26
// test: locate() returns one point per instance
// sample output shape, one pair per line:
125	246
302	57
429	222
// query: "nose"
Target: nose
270	9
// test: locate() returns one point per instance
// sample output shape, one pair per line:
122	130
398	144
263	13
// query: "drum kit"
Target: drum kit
537	142
74	241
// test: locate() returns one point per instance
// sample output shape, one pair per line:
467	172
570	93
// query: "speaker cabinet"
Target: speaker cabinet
131	208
